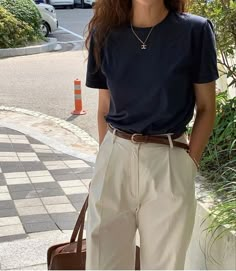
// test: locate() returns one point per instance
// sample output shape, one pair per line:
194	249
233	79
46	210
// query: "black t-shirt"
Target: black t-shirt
152	90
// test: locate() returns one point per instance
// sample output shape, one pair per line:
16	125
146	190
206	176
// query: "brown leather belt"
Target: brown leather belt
138	138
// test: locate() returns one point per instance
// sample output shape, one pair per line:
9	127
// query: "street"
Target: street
44	82
72	28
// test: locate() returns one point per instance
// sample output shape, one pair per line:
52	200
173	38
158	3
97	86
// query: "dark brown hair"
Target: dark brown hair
109	14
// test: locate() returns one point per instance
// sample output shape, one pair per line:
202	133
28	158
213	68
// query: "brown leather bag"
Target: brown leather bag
72	255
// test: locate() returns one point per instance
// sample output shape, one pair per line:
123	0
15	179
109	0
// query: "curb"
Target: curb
29	50
48	140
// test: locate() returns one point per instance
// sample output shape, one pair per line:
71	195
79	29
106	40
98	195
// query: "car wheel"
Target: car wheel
45	29
72	6
82	4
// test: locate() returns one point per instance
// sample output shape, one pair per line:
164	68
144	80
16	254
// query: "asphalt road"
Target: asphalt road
44	82
72	28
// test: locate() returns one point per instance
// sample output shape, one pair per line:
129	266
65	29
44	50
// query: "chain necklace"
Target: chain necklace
143	43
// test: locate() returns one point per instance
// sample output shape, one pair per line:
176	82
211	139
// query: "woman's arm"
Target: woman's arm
205	117
103	109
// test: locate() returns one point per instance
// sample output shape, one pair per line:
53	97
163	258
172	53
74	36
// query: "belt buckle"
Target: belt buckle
133	138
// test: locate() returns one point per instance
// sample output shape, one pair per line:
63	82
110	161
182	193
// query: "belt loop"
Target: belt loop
170	141
113	135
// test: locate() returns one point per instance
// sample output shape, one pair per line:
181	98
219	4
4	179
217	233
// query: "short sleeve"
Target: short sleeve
205	56
95	78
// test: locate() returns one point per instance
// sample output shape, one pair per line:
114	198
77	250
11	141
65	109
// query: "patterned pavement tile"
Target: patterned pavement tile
40	226
20	203
35	218
8	212
70	183
55	200
41	189
17	181
11	230
20	187
75	190
59	208
50	192
12	220
32	210
24	194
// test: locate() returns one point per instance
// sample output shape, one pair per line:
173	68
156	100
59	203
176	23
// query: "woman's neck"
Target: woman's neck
148	14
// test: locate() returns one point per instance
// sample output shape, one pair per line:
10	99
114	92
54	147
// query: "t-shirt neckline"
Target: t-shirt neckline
158	24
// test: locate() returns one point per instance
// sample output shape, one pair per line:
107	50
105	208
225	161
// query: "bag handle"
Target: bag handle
79	222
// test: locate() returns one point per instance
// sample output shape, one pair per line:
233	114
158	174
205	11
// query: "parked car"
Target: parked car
49	22
84	3
64	3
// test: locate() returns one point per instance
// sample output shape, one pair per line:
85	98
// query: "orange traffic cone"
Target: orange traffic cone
78	99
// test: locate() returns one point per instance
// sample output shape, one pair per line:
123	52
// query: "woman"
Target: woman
152	64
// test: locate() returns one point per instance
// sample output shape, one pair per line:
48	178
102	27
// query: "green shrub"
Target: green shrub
13	32
24	10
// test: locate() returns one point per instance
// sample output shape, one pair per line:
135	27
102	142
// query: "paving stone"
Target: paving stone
17	181
42	179
71	216
12	238
48	157
12	132
50	185
78	197
86	170
33	210
55	200
8	212
61	171
5	196
27	202
10	220
35	218
6	204
75	190
65	177
50	192
63	156
20	187
11	230
66	225
4	189
70	183
24	194
59	208
2	177
78	205
33	140
30	166
85	175
2	182
14	175
40	226
39	173
86	181
6	147
8	167
21	147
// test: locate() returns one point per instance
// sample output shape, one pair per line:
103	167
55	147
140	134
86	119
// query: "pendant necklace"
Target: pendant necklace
143	43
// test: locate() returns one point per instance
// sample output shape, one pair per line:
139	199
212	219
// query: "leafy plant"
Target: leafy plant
13	32
24	10
218	165
222	13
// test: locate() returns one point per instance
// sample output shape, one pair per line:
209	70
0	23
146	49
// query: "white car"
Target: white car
70	3
49	22
83	3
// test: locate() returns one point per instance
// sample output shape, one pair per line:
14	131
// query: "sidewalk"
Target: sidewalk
42	186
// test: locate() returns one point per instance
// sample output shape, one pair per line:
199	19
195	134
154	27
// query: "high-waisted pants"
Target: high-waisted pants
147	187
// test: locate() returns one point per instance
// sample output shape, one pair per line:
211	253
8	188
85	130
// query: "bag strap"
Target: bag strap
79	222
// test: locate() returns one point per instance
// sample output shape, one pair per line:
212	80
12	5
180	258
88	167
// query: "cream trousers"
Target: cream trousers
146	187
